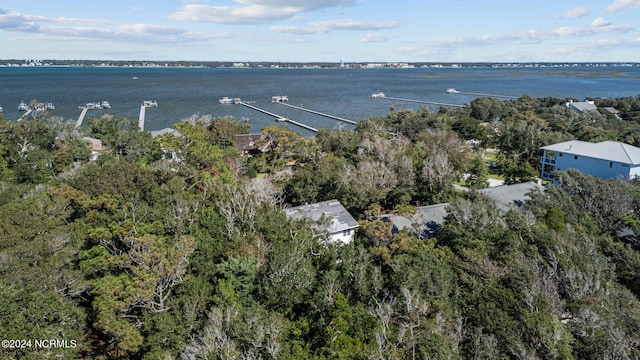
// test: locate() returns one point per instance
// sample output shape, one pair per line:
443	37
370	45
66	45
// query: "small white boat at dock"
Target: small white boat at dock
49	106
1	109
280	98
150	103
105	104
226	100
377	95
452	91
22	106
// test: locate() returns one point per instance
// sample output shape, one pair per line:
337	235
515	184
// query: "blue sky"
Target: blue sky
322	30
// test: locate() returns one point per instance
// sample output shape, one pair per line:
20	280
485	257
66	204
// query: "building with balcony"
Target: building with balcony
606	159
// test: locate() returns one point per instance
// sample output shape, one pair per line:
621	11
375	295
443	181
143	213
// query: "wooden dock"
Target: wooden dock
487	95
143	109
422	101
141	117
26	114
319	113
279	117
299	124
81	117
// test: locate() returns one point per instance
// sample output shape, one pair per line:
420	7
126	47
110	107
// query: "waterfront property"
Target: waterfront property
606	159
252	144
582	106
330	219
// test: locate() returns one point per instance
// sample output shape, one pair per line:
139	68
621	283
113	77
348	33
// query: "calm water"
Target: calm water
181	93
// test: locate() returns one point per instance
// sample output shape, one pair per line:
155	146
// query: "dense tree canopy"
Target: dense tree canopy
176	247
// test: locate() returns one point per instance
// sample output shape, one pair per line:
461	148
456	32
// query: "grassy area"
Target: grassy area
489	156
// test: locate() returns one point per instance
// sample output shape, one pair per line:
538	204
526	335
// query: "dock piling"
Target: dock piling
422	102
319	113
278	117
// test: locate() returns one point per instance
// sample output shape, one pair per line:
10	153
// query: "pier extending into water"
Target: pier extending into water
143	110
279	117
81	117
27	113
319	113
422	101
486	95
141	117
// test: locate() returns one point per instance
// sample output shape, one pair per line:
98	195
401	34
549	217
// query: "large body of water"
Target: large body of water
182	92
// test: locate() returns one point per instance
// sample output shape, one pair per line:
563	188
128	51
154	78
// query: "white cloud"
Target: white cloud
375	38
323	27
306	5
571	31
600	22
623	4
348	24
575	13
31	23
603	44
233	15
252	11
297	30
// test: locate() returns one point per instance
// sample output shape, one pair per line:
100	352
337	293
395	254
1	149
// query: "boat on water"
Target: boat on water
280	99
150	103
226	100
377	95
1	109
105	104
452	91
22	106
49	106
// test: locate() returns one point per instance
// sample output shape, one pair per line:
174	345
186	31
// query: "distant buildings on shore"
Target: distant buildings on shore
304	65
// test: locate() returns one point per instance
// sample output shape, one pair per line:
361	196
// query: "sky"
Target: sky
322	30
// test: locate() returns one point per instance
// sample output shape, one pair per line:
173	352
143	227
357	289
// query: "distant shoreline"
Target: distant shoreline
301	65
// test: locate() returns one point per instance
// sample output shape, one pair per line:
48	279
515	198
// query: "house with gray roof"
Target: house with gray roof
606	159
330	219
582	106
253	143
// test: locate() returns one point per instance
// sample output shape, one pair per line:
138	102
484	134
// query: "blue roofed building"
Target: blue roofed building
605	160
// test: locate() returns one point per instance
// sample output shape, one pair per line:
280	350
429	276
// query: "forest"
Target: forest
177	246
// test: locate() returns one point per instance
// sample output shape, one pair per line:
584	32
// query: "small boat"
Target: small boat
22	106
378	95
226	100
150	103
452	91
280	99
105	105
49	106
92	106
134	78
1	109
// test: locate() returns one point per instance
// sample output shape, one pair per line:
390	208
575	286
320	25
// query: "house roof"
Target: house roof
94	144
605	150
582	106
514	194
336	216
155	133
251	142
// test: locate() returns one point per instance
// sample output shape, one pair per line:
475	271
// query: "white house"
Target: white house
330	218
606	159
